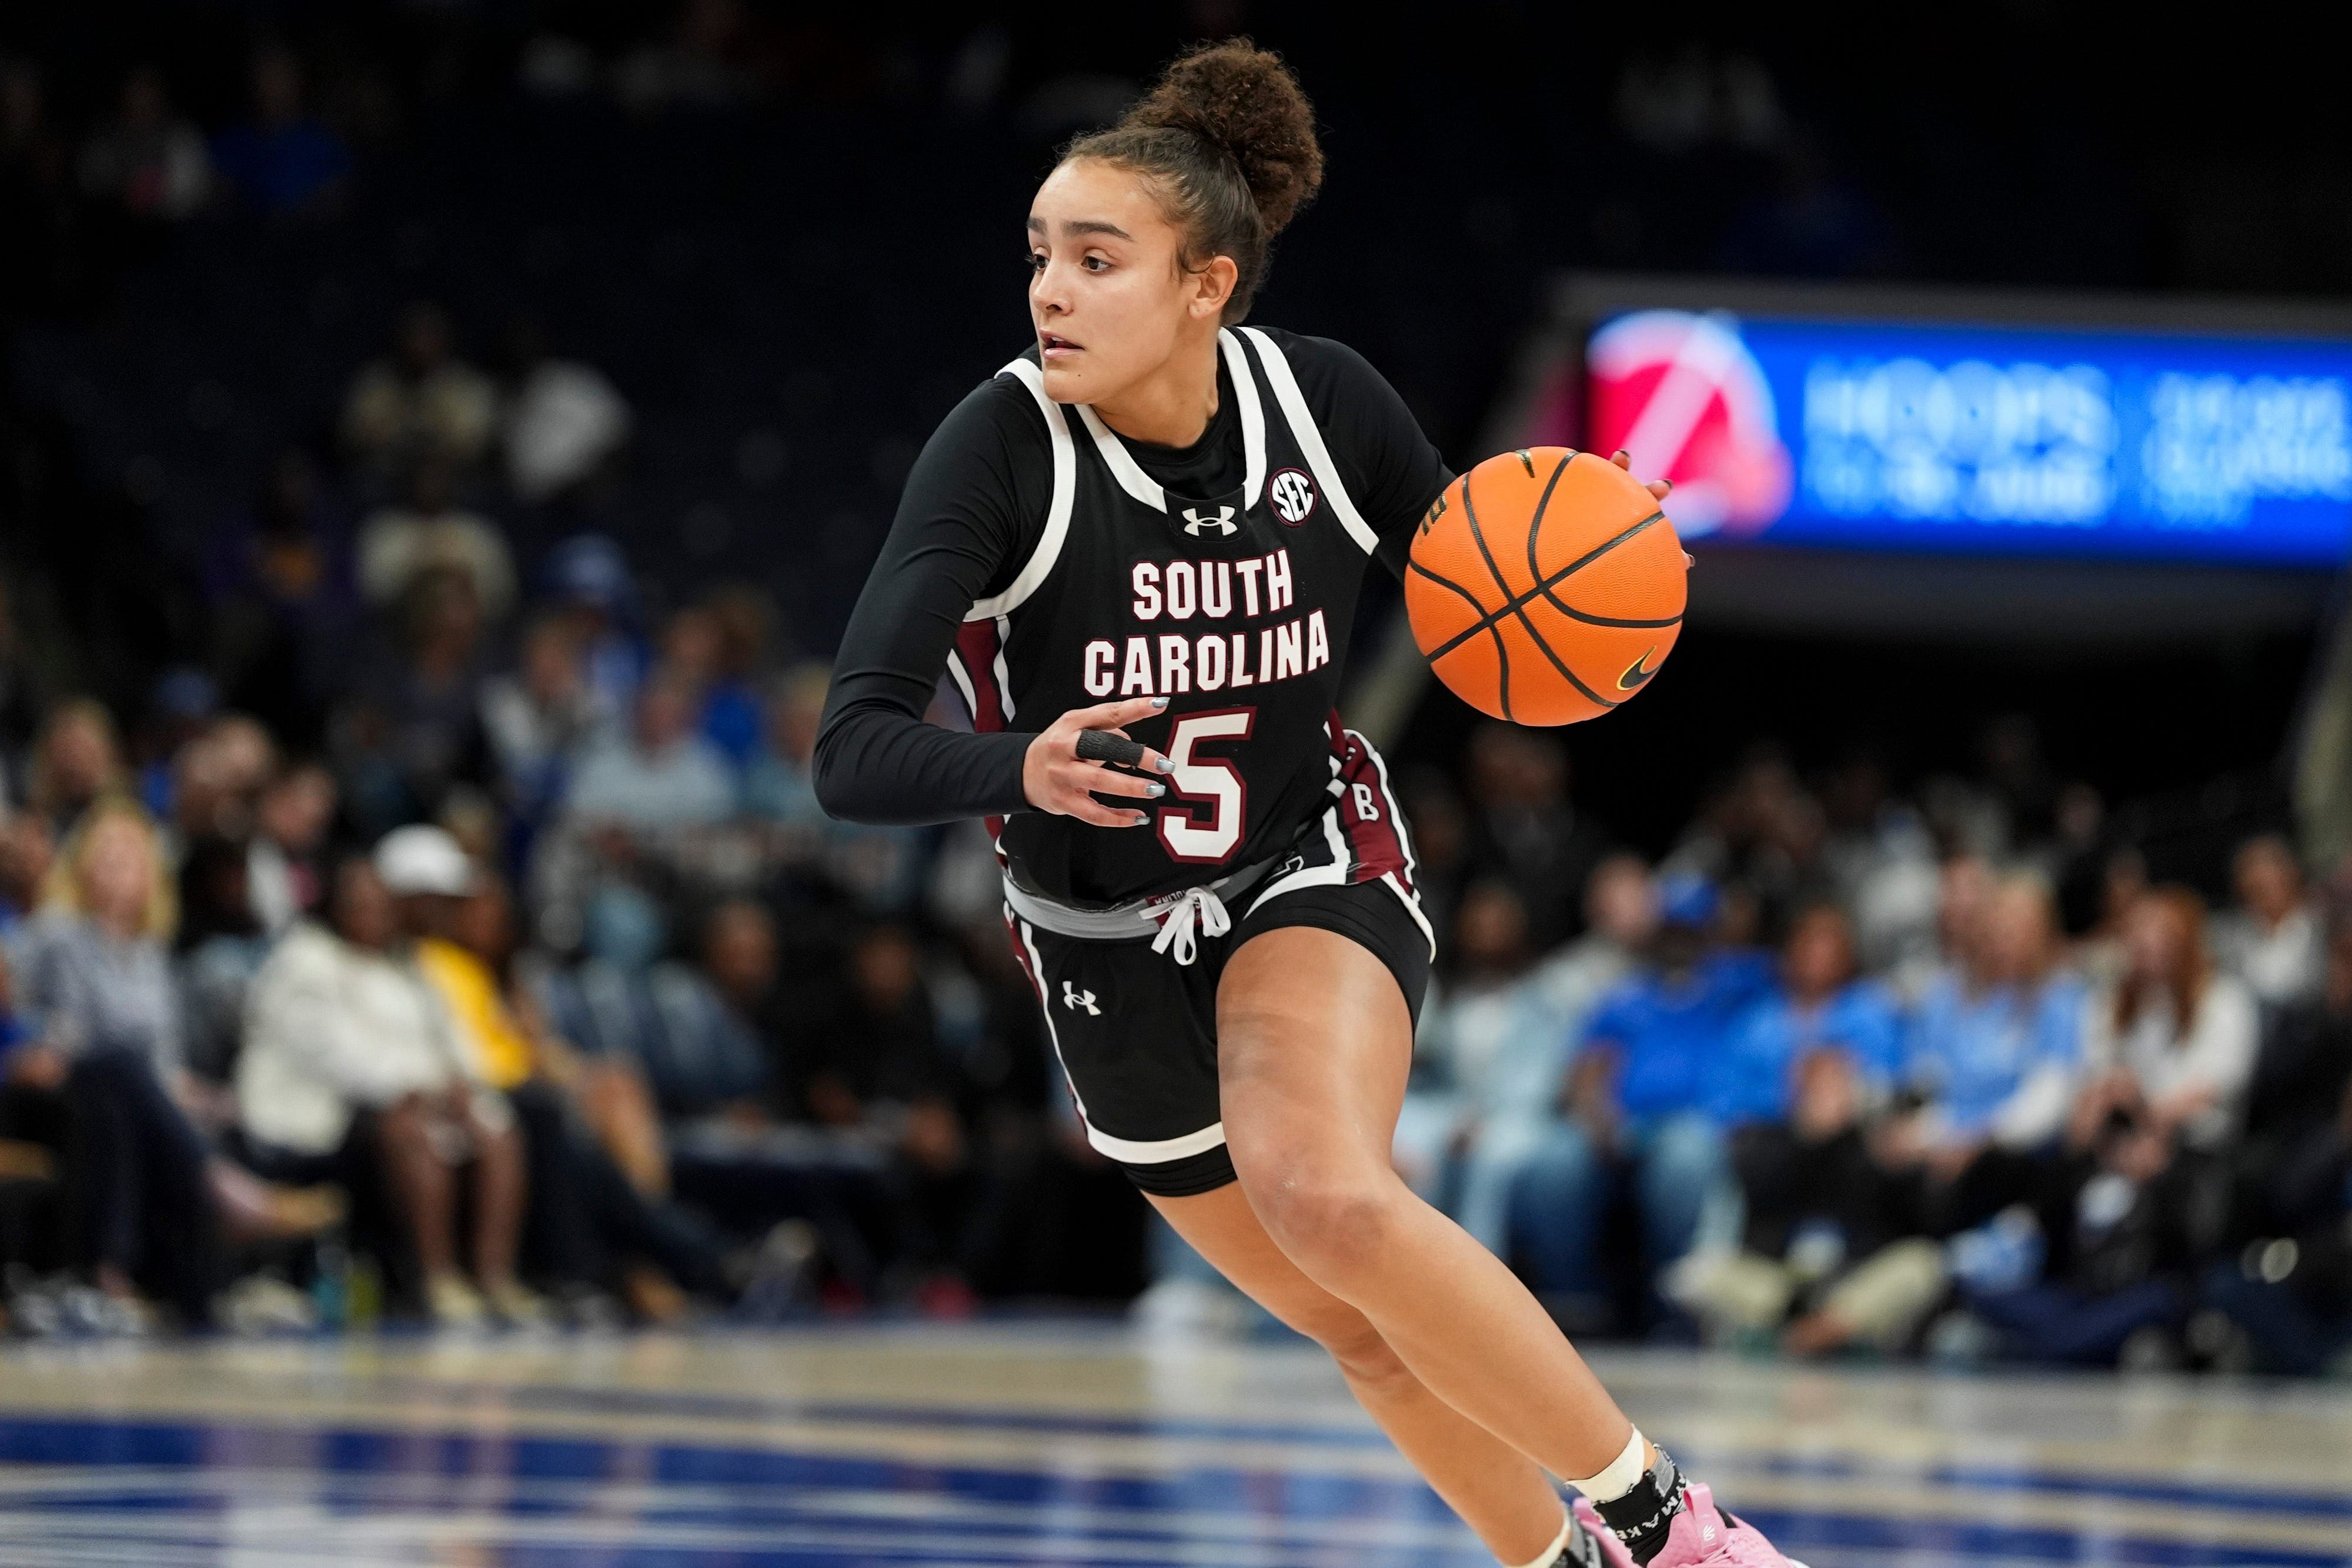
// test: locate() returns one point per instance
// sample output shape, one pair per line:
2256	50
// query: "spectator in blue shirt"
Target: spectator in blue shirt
657	778
726	703
778	788
1640	1095
1828	1236
1817	1003
285	161
1993	1055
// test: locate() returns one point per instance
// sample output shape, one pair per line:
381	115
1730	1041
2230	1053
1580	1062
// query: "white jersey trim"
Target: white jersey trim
1310	440
1036	967
1143	486
1058	512
1396	811
1004	688
962	680
1332	874
1253	419
1412	907
1121	462
1158	1152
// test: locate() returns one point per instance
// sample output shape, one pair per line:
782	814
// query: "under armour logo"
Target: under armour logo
1222	523
1074	998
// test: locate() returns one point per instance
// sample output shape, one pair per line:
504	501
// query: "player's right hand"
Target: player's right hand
1056	779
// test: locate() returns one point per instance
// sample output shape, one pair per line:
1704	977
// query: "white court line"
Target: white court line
439	1533
256	1494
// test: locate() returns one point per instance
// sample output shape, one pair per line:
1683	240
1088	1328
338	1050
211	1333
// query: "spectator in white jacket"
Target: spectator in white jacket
2271	940
350	1063
2172	1039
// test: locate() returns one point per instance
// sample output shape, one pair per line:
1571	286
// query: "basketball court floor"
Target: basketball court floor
1067	1444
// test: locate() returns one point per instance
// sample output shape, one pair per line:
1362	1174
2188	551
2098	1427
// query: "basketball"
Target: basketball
1545	586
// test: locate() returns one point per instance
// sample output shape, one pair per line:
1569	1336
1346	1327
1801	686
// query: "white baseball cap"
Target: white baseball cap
423	859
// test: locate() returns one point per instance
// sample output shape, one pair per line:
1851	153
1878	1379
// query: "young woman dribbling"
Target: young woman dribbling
1149	528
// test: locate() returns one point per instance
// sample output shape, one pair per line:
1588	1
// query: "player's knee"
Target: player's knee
1336	1227
1360	1351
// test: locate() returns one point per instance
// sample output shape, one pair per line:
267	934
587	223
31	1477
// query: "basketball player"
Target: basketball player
1156	520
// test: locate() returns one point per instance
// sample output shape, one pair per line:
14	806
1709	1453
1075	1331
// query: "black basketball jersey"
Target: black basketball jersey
1234	607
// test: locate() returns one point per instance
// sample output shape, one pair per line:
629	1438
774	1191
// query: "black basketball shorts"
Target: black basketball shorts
1137	1031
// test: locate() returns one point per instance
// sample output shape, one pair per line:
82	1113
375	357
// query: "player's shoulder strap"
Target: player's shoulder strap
1057	511
1303	429
1143	486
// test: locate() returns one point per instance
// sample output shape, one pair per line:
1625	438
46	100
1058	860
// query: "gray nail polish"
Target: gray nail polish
1161	765
1159	702
1157	790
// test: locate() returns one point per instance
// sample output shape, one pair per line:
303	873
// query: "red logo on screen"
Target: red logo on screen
1682	393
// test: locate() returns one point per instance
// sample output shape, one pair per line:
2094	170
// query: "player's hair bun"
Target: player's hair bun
1228	138
1244	100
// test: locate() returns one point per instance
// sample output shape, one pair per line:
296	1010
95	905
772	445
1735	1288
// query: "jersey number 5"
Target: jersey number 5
1213	781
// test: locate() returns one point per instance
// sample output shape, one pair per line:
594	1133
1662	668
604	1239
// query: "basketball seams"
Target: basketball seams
1535	527
1478	537
1590	619
1518	602
1556	662
1494	567
1516	606
1544	586
1502	652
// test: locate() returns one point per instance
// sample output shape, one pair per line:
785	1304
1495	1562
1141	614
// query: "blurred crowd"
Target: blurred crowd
460	939
1844	1072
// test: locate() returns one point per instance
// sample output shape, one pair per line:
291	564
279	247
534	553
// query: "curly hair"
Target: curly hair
1227	139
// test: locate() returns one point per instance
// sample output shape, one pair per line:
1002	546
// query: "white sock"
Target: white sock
1550	1555
1623	1474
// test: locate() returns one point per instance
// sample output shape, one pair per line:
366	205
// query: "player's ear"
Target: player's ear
1213	285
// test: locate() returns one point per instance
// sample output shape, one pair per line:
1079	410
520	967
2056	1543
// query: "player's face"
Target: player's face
1109	295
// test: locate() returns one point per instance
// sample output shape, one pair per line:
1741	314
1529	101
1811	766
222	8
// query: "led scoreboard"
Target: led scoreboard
2024	440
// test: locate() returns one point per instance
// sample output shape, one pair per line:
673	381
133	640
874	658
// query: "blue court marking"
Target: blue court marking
1799	1531
1958	1477
1053	1519
750	1408
2114	1488
1309	1494
492	1474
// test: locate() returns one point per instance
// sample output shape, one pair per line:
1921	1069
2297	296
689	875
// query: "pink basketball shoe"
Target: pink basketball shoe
1702	1534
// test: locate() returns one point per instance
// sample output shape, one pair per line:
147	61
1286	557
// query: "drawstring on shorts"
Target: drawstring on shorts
1185	919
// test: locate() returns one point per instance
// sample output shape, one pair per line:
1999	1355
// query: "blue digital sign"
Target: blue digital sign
1882	435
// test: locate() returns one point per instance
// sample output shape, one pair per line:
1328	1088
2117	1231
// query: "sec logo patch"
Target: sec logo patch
1293	494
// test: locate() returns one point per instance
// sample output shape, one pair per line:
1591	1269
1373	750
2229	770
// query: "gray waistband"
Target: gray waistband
1136	921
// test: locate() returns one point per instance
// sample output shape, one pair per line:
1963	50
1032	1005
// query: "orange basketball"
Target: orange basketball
1545	586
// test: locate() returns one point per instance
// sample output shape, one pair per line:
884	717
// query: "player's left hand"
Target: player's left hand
1657	487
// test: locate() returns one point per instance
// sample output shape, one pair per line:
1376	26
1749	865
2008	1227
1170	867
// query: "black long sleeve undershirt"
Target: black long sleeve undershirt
972	512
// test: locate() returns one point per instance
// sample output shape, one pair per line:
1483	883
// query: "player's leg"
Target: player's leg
1498	1491
1135	1032
1314	1042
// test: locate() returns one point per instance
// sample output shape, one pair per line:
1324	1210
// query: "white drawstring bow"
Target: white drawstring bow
1185	919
